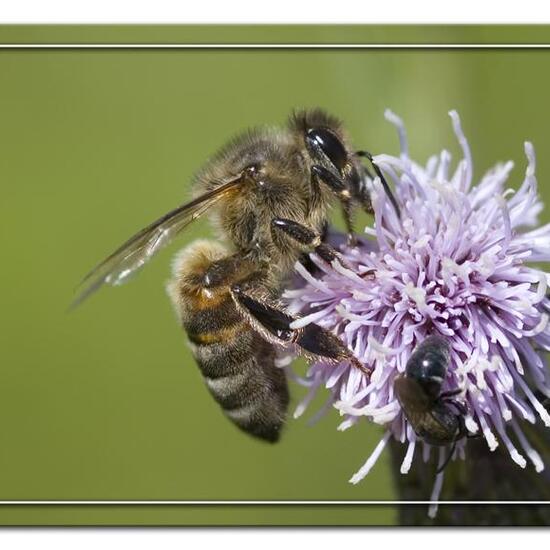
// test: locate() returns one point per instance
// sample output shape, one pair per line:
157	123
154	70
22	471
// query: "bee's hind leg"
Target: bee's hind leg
308	238
274	324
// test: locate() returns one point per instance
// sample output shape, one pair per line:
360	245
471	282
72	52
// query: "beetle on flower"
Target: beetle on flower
457	264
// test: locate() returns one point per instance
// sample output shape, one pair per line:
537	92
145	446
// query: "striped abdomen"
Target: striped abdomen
237	364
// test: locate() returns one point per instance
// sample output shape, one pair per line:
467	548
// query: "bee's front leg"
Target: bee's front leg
275	325
339	187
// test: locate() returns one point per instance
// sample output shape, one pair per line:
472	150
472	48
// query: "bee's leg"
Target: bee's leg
347	213
460	407
447	394
462	430
274	324
448	459
341	190
447	397
378	172
308	238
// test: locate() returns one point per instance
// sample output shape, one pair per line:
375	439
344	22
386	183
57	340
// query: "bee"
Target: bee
436	417
268	193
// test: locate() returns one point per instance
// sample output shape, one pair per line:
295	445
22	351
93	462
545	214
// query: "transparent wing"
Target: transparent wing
129	258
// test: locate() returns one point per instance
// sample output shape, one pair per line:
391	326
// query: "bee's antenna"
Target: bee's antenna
448	459
378	172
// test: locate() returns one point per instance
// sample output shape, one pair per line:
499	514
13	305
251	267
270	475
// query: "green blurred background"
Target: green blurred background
106	402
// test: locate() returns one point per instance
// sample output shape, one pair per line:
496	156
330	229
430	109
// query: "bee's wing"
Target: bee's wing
413	400
139	249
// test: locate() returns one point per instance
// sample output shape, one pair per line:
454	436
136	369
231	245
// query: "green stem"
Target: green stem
483	476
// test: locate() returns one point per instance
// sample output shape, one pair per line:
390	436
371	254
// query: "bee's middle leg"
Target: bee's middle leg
306	237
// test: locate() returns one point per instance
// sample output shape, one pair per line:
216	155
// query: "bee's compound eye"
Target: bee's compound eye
325	140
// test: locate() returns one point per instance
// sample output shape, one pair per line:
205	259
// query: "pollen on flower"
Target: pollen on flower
459	263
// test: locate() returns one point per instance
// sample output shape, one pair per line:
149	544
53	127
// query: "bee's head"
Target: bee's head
322	143
323	137
428	365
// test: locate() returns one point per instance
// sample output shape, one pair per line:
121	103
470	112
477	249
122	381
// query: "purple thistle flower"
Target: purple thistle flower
458	263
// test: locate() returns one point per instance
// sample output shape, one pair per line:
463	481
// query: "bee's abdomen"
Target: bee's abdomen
241	376
237	364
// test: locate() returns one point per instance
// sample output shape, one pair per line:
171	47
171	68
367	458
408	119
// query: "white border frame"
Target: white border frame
269	502
280	12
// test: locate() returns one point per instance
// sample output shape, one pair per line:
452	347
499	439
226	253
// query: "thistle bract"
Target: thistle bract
458	262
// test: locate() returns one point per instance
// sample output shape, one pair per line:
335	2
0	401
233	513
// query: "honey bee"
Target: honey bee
436	417
268	192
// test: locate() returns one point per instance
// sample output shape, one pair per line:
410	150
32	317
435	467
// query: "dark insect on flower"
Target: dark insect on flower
458	264
436	418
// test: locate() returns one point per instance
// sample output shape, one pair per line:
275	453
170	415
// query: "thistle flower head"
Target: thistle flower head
458	262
